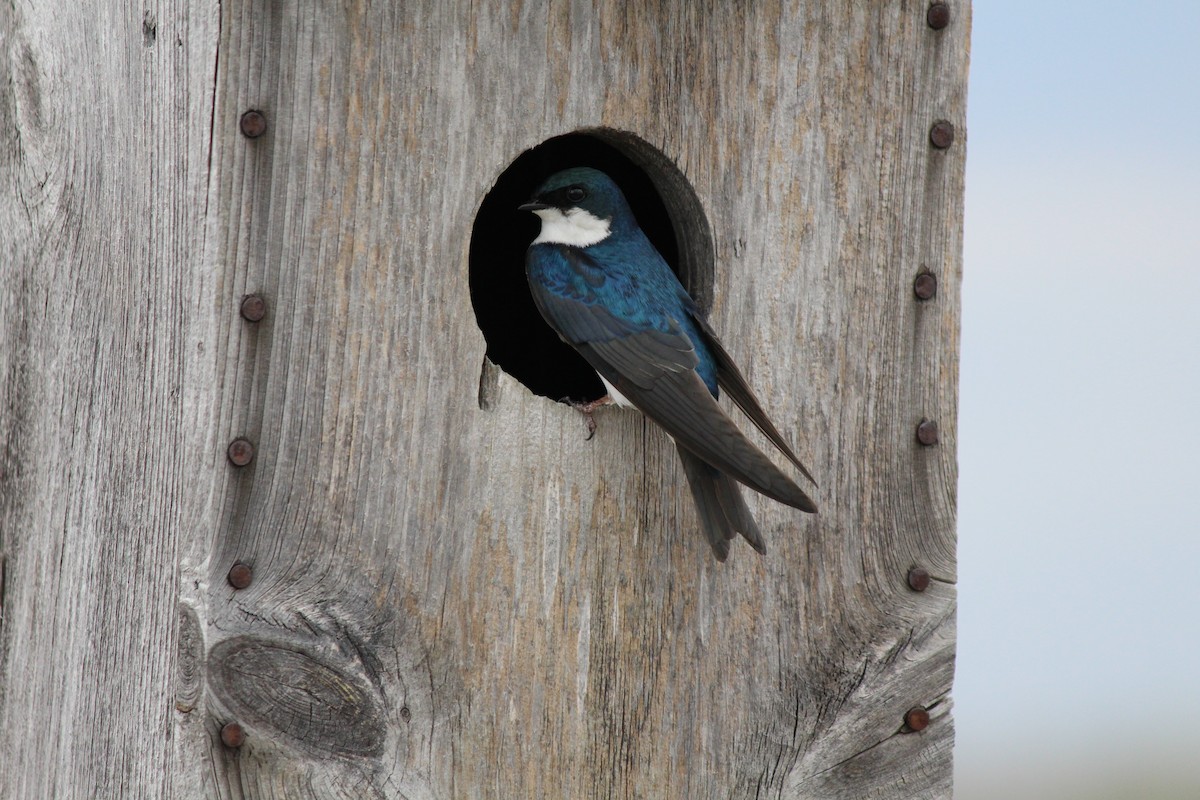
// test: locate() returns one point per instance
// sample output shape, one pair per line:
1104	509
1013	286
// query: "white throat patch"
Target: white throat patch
574	227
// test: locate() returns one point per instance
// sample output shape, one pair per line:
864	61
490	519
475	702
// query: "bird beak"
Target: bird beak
533	205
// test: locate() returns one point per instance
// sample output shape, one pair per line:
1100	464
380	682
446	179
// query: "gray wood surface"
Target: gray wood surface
449	601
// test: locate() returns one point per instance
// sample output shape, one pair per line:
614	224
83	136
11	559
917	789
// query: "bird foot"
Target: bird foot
588	409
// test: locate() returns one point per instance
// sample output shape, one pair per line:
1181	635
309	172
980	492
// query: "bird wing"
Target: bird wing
653	364
734	383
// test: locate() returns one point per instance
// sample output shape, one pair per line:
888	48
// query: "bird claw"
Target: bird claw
588	411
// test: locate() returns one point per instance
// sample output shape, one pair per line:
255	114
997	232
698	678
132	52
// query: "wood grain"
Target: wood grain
104	118
449	601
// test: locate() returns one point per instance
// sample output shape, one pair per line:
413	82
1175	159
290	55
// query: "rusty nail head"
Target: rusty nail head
253	124
240	452
232	735
240	575
254	308
925	286
917	718
918	579
938	15
941	135
927	433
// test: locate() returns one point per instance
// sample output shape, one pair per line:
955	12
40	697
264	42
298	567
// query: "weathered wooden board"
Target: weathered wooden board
448	601
105	318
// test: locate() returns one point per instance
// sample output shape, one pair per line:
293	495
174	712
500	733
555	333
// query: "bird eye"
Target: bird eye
576	193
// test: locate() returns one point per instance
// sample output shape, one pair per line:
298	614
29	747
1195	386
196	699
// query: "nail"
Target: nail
925	286
938	16
941	135
253	124
927	433
918	579
232	735
240	575
254	308
240	452
917	718
405	714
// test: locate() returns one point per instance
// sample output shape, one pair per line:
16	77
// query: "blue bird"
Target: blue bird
601	285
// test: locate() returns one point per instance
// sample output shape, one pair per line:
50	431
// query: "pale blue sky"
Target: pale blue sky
1079	438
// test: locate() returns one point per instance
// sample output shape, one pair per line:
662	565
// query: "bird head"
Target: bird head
579	207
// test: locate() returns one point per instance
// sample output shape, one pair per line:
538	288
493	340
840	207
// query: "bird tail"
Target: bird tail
723	511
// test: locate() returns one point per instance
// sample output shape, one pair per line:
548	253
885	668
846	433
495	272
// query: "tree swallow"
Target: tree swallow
602	286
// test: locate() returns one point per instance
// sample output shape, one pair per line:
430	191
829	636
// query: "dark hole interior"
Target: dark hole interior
518	339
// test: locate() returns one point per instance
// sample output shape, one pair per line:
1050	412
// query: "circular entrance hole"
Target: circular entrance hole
518	340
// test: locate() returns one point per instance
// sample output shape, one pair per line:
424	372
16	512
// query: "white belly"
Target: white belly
616	396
